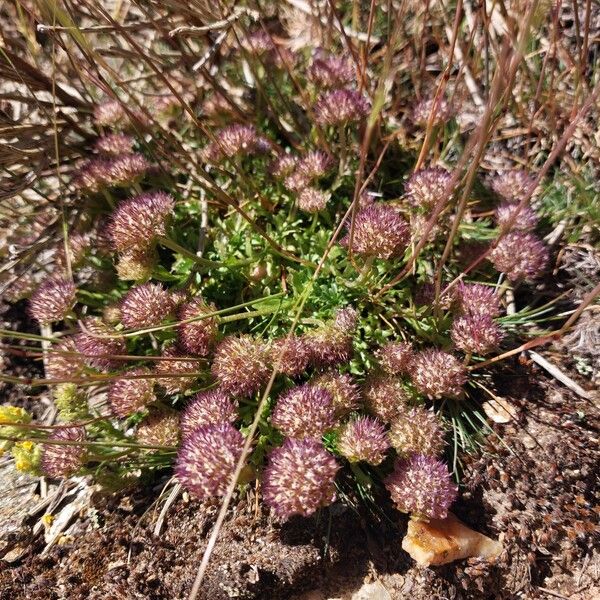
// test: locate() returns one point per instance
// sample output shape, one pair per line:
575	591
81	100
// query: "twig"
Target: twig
222	24
559	375
168	503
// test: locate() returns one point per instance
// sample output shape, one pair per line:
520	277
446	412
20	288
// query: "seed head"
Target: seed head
241	365
53	300
437	374
395	357
385	397
477	299
299	478
146	305
179	370
426	187
379	231
125	170
93	342
512	185
283	165
207	408
344	391
291	355
159	428
128	395
296	182
199	336
341	106
233	140
422	111
519	256
312	200
421	485
417	431
314	165
476	334
62	460
207	458
331	71
304	411
63	360
137	222
109	113
526	218
136	265
115	144
363	439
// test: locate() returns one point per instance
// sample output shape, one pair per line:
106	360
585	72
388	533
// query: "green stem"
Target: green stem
250	314
204	262
343	150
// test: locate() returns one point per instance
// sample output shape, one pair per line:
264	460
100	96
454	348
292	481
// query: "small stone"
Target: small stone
441	541
372	591
499	410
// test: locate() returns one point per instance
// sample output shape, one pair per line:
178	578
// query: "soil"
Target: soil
535	487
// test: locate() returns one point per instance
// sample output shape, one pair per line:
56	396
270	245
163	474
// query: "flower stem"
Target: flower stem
204	262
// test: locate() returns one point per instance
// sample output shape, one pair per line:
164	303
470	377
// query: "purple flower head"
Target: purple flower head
259	42
364	439
78	244
526	219
178	373
63	360
299	478
64	460
125	170
197	337
519	256
159	428
241	365
512	185
296	182
329	346
207	408
283	165
426	187
136	265
97	342
395	357
304	411
476	334
438	374
312	200
314	165
109	113
379	231
131	393
344	391
341	106
331	71
146	305
53	300
137	222
115	144
91	176
422	111
291	355
477	299
421	485
385	396
233	140
207	458
417	431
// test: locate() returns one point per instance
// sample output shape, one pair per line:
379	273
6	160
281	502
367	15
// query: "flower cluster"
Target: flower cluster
379	230
132	392
520	256
99	344
417	431
53	300
198	336
146	305
64	455
363	439
299	478
426	187
236	140
341	106
207	408
476	334
421	485
438	374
